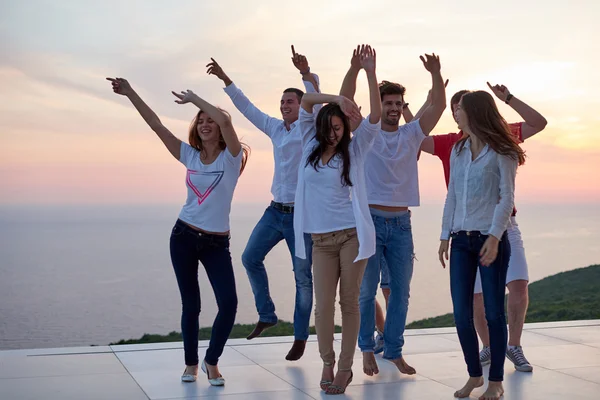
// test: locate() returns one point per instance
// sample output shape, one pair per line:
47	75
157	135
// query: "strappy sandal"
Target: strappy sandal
325	384
335	389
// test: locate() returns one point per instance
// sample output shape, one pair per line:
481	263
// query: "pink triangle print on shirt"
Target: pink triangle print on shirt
207	181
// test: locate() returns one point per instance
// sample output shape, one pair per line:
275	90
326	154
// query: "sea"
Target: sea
78	275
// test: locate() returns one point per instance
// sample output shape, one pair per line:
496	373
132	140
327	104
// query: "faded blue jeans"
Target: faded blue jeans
395	246
274	226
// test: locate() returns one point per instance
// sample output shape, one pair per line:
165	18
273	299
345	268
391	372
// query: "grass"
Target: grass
282	328
567	296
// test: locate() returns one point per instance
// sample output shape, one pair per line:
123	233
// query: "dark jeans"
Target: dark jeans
464	261
189	246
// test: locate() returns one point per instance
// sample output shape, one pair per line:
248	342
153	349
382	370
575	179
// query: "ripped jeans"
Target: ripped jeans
395	245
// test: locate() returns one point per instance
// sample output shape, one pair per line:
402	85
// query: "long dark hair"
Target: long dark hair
196	142
489	126
323	125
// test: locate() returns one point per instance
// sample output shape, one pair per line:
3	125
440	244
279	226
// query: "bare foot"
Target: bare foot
403	366
369	364
494	391
472	383
326	376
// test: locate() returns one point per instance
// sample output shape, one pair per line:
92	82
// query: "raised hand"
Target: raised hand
349	108
215	69
300	62
500	91
368	58
431	62
184	97
120	86
355	60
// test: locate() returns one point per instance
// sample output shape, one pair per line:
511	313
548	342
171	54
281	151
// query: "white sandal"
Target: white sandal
219	381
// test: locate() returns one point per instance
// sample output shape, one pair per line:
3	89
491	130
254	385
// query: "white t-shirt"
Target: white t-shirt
391	167
210	189
332	207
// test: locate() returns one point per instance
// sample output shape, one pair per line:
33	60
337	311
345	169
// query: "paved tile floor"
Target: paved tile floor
565	356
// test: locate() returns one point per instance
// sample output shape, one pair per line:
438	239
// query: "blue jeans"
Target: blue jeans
274	226
464	262
189	246
395	245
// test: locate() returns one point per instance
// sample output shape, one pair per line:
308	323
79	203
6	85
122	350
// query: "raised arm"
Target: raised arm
301	63
430	117
407	114
306	118
368	58
534	121
122	87
366	132
427	102
348	88
224	121
428	145
259	119
348	106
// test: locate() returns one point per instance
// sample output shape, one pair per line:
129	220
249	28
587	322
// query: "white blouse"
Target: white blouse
359	147
481	192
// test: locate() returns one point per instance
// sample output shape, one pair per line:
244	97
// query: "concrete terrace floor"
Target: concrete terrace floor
565	355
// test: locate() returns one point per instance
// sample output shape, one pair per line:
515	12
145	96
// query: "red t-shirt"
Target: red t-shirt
443	144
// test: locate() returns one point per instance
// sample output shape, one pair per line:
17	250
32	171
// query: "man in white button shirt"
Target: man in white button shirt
277	223
392	187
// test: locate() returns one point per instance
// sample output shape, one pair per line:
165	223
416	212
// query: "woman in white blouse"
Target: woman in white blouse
331	205
476	214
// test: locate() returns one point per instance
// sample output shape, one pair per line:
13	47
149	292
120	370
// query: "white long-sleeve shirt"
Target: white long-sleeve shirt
287	145
359	147
481	193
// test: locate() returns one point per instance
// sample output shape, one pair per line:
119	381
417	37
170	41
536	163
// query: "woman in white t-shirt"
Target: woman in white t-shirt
478	207
331	204
214	159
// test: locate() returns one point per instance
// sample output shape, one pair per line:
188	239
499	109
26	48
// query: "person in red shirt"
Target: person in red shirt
517	277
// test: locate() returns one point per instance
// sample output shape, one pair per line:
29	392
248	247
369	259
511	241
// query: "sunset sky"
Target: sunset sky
66	138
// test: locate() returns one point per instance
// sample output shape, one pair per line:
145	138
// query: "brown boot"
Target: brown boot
296	351
260	327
